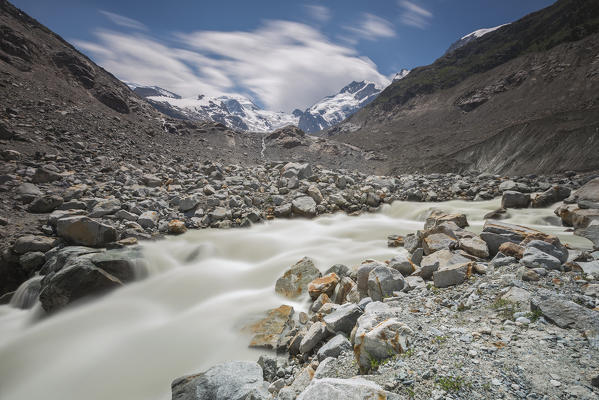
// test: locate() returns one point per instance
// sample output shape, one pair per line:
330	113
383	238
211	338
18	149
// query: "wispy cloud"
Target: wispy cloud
319	13
283	64
124	21
414	15
372	27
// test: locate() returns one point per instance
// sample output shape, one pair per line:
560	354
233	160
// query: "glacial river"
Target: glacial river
203	286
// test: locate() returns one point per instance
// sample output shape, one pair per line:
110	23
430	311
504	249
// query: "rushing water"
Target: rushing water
203	287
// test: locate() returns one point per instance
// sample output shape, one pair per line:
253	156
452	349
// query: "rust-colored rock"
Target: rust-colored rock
512	250
326	285
268	330
176	227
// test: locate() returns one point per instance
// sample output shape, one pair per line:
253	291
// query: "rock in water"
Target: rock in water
236	380
85	231
268	330
513	199
295	280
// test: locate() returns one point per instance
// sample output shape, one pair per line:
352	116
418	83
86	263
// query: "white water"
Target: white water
186	316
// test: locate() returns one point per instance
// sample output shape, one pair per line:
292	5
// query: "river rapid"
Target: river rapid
203	287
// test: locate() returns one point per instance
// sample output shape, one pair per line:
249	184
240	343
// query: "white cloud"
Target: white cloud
414	15
284	64
124	21
319	13
372	27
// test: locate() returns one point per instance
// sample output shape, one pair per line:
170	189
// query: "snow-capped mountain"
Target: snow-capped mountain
239	112
470	37
400	75
334	109
234	111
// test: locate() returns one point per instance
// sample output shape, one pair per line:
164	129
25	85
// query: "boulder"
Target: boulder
151	180
512	250
439	259
363	272
148	219
437	217
453	274
403	264
379	334
78	279
105	207
334	347
301	171
28	191
315	334
295	280
45	204
32	261
43	175
124	264
325	285
269	330
558	251
355	388
383	281
343	318
188	203
29	243
591	232
535	258
85	231
513	199
411	242
475	246
176	227
342	290
438	241
550	196
235	380
304	206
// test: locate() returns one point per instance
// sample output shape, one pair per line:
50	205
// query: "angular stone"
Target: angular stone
512	250
363	272
452	275
43	175
304	206
437	260
591	232
535	258
519	296
319	302
552	195
151	180
411	242
315	334
80	279
355	388
268	330
295	280
437	217
379	335
342	290
85	231
325	285
403	264
475	246
188	203
176	227
235	380
148	219
560	252
45	204
343	318
383	281
334	347
105	207
29	243
32	261
438	241
513	199
126	265
28	191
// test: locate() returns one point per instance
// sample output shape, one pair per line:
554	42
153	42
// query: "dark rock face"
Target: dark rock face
114	100
493	107
81	69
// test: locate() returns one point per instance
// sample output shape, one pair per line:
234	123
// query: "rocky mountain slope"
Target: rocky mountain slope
521	98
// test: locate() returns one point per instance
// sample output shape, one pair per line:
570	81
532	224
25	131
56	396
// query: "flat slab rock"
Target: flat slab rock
268	330
296	279
236	380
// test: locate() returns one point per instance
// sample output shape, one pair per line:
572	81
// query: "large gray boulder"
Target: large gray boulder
379	334
513	199
29	243
315	334
558	250
343	318
296	279
85	231
356	388
236	380
334	347
452	275
437	260
438	241
535	258
105	207
148	219
45	204
363	273
78	279
552	195
304	206
591	232
383	281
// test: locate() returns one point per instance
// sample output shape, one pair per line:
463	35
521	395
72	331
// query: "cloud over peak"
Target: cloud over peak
283	64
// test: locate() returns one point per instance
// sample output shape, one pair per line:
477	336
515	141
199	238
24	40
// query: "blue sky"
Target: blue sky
281	54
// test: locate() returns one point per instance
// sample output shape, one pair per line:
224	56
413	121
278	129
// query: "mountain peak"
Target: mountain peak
400	75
